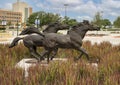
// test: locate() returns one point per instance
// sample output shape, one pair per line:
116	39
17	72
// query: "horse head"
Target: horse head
29	30
89	26
81	28
54	27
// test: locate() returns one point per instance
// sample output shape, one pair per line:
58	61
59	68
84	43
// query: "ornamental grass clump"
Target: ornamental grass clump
68	72
11	76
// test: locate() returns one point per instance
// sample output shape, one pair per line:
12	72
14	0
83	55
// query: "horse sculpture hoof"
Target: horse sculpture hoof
40	59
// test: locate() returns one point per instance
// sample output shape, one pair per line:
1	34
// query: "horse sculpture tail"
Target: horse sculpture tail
15	42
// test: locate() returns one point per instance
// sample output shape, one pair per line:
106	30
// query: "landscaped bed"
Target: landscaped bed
63	73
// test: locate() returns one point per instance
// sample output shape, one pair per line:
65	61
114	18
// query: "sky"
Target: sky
76	9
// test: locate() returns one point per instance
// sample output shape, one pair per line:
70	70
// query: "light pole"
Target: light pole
65	5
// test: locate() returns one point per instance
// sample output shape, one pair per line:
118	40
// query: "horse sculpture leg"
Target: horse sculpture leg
83	51
54	52
35	54
32	48
48	56
35	49
47	53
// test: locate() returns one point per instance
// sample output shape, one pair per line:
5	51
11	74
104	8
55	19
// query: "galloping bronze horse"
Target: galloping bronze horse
53	41
37	39
72	40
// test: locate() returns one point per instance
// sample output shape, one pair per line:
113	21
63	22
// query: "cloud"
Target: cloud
81	18
75	8
83	7
73	5
56	2
111	3
8	6
41	5
114	14
78	9
88	7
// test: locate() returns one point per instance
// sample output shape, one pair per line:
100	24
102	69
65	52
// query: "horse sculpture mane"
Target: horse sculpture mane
30	30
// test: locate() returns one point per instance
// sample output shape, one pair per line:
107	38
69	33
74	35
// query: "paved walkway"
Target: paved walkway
108	36
113	39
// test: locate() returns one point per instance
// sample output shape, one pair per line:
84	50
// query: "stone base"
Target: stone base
26	63
32	61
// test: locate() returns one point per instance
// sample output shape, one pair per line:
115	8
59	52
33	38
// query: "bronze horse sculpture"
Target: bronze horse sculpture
72	40
51	28
52	41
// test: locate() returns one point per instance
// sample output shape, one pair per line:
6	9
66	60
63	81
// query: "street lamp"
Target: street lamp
37	21
65	5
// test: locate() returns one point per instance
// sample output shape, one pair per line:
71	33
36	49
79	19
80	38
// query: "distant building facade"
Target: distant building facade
18	15
24	8
10	17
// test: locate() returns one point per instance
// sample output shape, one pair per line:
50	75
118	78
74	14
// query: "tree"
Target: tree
69	21
45	18
97	19
105	22
72	22
117	22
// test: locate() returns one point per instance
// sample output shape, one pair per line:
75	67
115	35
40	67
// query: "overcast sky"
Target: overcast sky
78	9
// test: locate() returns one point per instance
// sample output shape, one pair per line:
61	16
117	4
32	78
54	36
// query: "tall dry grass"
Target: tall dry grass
63	73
